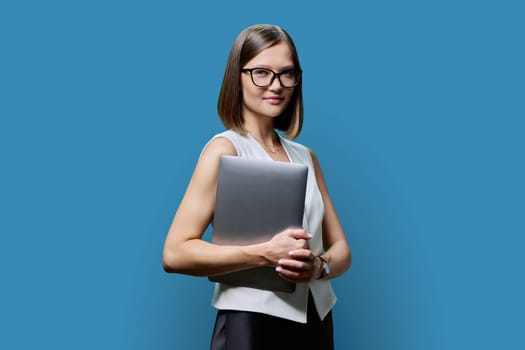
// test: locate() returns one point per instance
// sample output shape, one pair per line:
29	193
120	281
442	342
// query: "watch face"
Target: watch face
326	268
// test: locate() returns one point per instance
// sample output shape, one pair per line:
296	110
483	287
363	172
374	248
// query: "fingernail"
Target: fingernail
278	269
291	252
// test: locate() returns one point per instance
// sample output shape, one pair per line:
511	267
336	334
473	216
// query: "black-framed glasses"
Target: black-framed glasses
264	77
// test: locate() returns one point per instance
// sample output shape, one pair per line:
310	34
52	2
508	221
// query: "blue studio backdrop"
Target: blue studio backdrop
414	108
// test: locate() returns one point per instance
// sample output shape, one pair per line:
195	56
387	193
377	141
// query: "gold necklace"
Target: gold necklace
272	148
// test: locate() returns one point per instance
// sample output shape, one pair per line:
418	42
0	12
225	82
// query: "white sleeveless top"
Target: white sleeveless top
290	306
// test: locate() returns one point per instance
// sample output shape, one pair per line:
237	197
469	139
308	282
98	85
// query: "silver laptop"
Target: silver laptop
257	198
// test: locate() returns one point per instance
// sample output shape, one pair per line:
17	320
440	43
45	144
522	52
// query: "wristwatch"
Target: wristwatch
325	267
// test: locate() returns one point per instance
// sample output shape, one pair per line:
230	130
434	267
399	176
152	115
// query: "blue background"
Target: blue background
415	109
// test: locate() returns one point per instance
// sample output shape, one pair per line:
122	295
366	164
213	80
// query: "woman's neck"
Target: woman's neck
263	131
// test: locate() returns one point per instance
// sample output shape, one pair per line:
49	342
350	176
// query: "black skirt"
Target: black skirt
243	330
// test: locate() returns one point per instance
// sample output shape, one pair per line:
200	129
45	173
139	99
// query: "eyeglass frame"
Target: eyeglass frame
299	73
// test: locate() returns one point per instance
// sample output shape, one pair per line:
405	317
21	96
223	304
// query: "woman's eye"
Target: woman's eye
289	73
260	72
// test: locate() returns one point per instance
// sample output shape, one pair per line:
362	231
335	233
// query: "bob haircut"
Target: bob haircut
250	42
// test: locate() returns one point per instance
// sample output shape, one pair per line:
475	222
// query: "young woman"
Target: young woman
261	93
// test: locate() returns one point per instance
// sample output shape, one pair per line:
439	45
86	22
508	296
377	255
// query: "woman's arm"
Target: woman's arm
337	251
184	250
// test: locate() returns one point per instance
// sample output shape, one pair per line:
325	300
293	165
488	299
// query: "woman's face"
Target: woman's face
270	101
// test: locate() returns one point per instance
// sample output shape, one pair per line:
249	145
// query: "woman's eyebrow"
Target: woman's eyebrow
288	67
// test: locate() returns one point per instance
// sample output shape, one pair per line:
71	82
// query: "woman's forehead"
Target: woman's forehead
277	56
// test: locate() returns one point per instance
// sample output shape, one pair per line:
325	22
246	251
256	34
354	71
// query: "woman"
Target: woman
262	92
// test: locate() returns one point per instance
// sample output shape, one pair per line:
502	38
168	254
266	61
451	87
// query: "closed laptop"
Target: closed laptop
256	199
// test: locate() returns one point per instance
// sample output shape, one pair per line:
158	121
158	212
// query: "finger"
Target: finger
301	243
293	276
288	274
302	254
299	233
295	265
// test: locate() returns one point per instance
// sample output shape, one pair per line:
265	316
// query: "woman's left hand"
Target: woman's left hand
303	266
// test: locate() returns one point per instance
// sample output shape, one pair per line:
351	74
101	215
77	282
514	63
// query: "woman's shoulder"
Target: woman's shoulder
220	144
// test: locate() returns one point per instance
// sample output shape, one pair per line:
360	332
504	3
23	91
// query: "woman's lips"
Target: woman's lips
275	100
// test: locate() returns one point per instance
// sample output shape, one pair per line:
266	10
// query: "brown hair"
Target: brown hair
250	42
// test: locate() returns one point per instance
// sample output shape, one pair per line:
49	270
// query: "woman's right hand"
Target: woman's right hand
284	242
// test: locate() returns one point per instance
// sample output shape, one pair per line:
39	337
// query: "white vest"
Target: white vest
290	306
